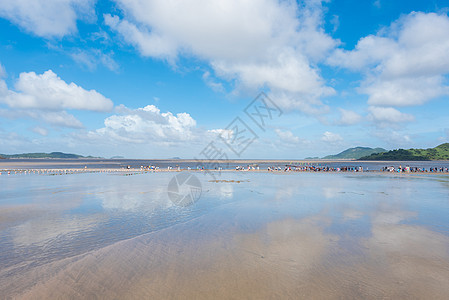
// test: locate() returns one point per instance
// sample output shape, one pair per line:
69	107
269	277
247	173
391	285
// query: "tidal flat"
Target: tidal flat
248	235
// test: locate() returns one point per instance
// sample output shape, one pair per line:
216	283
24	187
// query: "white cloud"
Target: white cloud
49	92
404	64
46	97
146	125
330	137
60	118
225	133
255	44
388	115
148	43
404	91
348	117
287	136
55	118
47	18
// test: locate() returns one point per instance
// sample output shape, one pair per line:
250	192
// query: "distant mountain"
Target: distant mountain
355	153
440	152
44	155
117	157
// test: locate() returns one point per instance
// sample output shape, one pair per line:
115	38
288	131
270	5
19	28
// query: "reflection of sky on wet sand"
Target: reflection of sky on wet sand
271	236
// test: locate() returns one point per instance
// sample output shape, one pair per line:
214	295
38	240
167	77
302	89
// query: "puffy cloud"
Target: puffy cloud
46	97
286	71
255	44
348	117
330	137
146	125
287	136
47	18
148	44
221	132
404	91
388	115
49	92
404	64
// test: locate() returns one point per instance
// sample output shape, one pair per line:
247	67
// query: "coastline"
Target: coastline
69	166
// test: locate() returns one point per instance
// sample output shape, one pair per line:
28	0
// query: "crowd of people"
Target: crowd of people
311	168
408	169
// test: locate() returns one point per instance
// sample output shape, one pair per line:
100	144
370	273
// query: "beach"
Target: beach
253	235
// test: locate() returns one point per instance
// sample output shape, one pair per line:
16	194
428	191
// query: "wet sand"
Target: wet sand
287	259
266	237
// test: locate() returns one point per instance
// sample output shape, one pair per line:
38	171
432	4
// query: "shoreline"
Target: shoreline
135	171
63	166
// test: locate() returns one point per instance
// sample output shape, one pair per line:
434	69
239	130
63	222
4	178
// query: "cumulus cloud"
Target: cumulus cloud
388	115
287	136
404	64
145	125
348	117
48	91
404	91
47	18
330	137
225	133
46	97
255	44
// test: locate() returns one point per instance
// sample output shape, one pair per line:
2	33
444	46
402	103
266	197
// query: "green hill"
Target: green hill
44	155
355	153
440	152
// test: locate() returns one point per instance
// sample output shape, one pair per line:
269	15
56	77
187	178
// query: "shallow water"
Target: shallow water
269	236
185	164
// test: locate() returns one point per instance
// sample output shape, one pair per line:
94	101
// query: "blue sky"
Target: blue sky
159	79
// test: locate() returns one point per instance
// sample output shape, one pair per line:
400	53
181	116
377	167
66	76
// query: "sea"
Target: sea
363	235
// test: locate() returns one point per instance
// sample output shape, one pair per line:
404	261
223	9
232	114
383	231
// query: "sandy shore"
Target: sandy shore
251	236
286	259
